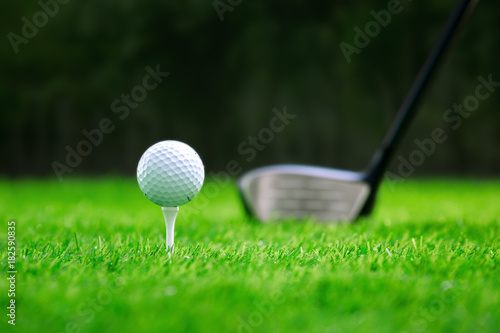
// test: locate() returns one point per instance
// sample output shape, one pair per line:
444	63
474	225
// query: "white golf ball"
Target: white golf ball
170	173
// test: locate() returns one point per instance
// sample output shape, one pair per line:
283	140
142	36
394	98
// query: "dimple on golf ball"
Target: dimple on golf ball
170	173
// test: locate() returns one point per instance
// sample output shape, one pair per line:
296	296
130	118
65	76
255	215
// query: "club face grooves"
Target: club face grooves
293	191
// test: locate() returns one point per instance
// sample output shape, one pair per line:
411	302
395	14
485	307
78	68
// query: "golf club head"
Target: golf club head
281	191
300	191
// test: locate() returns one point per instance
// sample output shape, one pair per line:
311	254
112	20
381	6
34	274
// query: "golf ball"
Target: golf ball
170	173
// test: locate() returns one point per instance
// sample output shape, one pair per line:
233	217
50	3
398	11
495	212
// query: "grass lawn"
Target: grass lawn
91	258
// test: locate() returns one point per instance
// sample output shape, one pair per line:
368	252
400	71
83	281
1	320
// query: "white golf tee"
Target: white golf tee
170	213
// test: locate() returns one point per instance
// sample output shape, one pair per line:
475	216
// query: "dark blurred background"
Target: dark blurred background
226	77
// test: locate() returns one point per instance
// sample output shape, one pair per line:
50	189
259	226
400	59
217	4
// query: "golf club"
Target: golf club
329	195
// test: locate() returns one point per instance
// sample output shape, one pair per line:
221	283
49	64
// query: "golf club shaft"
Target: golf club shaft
409	106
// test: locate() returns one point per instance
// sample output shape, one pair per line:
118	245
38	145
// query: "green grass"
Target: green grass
91	258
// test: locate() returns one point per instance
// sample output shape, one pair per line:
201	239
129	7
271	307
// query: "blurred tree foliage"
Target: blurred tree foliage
227	76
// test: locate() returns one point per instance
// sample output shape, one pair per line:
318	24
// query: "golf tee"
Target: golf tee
170	213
